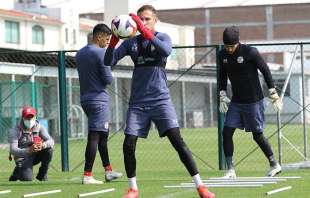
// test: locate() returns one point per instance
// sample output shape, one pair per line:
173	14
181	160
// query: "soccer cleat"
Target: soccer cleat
131	193
230	174
204	193
112	175
274	170
90	180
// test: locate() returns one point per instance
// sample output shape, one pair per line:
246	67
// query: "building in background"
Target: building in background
29	25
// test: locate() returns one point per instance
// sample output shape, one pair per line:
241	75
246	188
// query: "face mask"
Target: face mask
29	123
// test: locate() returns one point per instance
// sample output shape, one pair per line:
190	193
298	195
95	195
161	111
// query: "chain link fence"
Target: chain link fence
31	78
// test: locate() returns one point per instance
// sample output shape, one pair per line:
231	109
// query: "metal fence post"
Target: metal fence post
33	90
303	99
13	100
220	117
63	111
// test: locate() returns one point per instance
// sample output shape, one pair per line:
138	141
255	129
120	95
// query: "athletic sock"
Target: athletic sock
272	161
229	162
197	180
87	173
133	183
108	168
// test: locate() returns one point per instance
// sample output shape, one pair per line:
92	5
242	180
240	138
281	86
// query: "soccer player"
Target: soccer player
94	77
30	144
150	98
240	64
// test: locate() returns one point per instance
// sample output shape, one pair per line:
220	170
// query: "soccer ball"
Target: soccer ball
123	26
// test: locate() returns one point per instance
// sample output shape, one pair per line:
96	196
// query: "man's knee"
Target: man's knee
228	132
258	137
47	154
129	145
26	174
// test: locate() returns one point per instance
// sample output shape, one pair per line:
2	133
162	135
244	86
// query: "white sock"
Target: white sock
197	180
133	183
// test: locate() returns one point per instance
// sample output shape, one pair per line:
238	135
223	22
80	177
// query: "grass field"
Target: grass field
158	165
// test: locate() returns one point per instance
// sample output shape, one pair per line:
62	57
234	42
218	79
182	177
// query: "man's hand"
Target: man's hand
32	148
275	99
35	147
38	146
147	34
224	100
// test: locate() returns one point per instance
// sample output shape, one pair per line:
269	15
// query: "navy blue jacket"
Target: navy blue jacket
94	75
149	81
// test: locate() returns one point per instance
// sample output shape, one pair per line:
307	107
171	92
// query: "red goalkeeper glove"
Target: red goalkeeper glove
113	41
147	34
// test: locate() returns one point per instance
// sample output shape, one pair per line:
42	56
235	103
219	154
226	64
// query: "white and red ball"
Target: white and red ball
123	26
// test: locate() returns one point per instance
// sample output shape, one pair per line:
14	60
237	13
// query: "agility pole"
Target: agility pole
271	178
218	186
41	193
96	192
233	183
5	192
244	180
278	190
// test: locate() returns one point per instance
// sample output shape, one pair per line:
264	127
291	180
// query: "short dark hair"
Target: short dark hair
101	28
147	7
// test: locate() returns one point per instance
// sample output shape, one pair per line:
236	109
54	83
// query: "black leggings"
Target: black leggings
96	139
185	154
259	138
24	168
175	139
129	148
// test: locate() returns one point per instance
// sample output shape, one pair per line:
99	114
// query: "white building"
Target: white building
32	26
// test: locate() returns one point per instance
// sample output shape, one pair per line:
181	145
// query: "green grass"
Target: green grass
158	165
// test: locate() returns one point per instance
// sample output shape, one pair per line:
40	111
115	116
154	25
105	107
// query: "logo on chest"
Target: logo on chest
225	60
152	48
134	47
240	59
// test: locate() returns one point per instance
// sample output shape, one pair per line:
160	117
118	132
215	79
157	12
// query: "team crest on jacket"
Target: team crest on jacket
134	47
106	125
152	48
225	60
240	59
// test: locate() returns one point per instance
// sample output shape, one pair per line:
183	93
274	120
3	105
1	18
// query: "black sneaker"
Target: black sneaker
44	178
13	178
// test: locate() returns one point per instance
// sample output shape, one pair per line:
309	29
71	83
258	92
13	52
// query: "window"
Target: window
66	35
11	32
74	36
37	35
307	86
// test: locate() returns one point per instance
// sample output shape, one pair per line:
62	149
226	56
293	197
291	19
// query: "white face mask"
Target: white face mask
29	123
